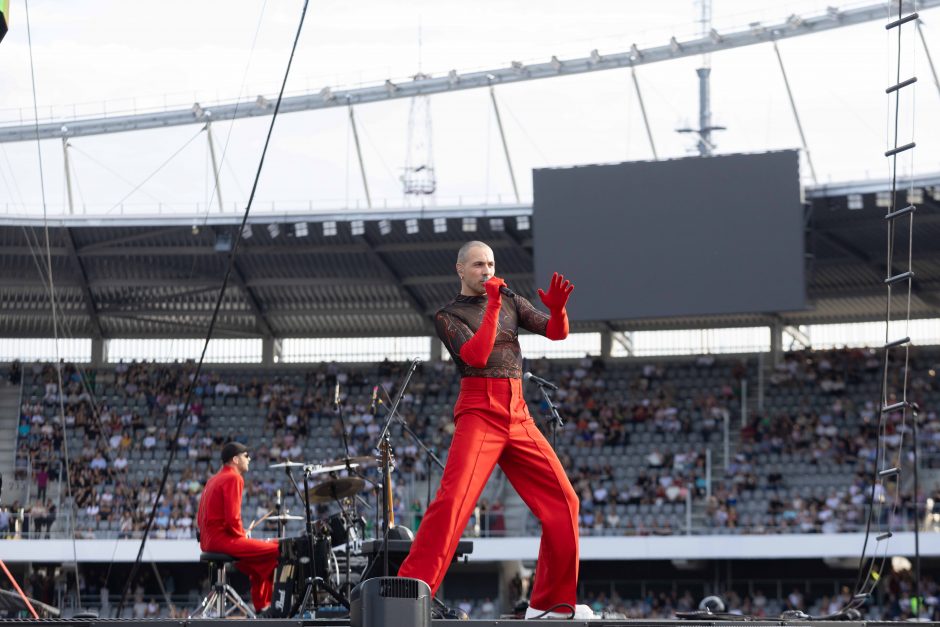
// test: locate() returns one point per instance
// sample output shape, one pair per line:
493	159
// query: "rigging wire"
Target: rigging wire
55	327
215	314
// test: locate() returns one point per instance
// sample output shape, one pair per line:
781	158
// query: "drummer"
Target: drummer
220	525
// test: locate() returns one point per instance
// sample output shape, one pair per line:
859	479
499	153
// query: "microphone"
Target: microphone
531	378
505	291
336	395
375	398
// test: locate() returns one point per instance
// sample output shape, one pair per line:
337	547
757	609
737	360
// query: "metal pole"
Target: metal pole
917	589
760	382
215	167
796	115
502	136
933	70
705	145
362	167
743	402
68	174
727	442
708	472
646	122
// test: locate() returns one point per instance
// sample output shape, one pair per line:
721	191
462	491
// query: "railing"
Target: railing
279	207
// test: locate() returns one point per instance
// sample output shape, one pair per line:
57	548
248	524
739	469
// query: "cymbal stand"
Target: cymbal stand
315	581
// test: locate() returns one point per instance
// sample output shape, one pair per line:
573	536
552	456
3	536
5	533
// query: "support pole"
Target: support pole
362	167
68	175
705	145
502	136
646	122
215	167
796	114
933	69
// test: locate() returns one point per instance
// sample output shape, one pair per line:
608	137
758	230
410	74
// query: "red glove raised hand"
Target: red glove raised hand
558	292
492	286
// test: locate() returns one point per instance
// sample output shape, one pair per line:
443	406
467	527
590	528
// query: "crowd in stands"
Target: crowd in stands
637	442
636	439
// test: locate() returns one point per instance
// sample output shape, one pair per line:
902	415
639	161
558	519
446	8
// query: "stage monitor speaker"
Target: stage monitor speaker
390	602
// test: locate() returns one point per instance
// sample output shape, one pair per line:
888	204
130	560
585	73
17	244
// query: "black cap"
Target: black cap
232	449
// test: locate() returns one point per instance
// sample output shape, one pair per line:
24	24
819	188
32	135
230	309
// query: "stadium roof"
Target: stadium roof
159	276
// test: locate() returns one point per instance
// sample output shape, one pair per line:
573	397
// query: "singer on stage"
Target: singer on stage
220	525
493	426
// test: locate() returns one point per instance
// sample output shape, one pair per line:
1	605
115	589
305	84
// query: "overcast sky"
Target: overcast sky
122	55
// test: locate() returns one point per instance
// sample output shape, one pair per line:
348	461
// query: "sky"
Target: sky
112	56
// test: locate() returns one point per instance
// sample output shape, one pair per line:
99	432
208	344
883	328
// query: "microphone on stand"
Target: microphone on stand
529	377
505	291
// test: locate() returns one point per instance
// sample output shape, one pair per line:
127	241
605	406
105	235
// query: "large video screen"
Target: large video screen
692	236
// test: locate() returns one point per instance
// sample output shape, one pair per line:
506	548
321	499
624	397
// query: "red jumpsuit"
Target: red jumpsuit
221	531
493	426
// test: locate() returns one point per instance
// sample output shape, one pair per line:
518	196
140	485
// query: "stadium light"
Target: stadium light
440	225
357	227
915	196
522	223
411	226
469	225
385	227
247	232
274	230
883	199
497	224
856	201
329	228
301	230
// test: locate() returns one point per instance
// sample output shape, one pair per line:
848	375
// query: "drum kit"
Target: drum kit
308	572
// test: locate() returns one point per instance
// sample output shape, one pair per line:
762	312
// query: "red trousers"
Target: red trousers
256	558
494	427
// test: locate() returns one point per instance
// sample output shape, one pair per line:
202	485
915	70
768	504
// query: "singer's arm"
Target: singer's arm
474	349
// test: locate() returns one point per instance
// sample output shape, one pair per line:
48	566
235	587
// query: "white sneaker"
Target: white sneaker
581	612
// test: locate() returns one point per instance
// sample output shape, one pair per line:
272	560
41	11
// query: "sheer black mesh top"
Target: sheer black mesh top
458	320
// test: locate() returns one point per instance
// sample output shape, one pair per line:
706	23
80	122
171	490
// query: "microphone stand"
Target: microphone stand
431	456
555	418
384	446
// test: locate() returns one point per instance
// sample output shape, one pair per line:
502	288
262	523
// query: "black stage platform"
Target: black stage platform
344	622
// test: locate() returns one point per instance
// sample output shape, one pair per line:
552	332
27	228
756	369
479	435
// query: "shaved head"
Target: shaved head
475	264
466	248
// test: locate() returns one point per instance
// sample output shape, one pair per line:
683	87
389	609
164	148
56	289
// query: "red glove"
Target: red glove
492	286
557	297
476	351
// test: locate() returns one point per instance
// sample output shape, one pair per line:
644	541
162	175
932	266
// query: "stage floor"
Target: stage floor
344	622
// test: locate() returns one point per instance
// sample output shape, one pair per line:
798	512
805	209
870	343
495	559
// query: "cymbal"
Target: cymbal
363	460
285	517
287	464
335	489
319	469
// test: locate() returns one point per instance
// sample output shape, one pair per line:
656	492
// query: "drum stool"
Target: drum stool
222	600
